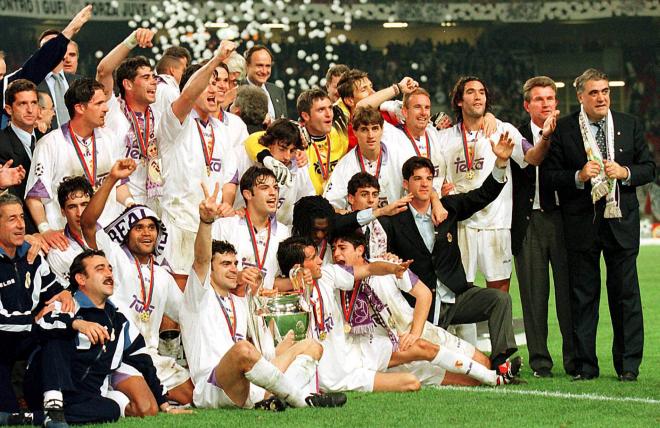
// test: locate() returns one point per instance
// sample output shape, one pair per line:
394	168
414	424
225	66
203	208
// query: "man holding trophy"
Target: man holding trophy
228	371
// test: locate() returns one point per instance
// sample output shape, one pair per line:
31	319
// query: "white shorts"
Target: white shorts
425	372
169	372
488	250
210	396
346	372
443	338
376	350
180	249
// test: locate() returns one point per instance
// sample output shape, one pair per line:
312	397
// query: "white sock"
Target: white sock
53	399
267	376
456	362
302	373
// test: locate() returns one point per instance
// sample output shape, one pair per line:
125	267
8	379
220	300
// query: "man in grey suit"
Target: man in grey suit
259	66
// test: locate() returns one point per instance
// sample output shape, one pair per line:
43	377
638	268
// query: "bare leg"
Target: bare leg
501	284
307	347
396	382
420	350
182	394
481	358
459	379
230	371
142	401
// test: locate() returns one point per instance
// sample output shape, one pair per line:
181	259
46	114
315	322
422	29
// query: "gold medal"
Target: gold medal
323	335
144	316
470	174
347	328
208	170
449	237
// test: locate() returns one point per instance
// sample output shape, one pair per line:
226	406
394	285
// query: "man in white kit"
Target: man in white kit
195	147
82	146
146	291
228	371
485	238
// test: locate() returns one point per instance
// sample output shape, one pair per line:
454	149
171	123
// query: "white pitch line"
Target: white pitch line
552	394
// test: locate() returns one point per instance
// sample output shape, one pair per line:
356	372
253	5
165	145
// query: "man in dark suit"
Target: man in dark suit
39	65
259	66
437	257
597	158
57	82
537	236
18	139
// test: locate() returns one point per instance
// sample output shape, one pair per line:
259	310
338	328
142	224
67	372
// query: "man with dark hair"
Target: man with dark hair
132	118
18	140
169	69
257	234
537	237
332	79
251	105
484	238
597	159
147	291
47	57
29	292
437	257
284	143
82	147
233	124
70	61
228	370
259	67
313	218
73	195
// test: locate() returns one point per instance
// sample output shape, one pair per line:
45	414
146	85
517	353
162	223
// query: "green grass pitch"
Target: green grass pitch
556	402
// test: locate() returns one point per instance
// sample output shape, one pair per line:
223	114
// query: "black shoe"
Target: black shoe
331	399
21	418
272	404
543	373
583	376
54	418
628	377
510	368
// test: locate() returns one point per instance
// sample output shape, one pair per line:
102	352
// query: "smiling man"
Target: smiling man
597	159
259	67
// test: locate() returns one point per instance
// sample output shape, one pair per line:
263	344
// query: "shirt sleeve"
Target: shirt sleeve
340	277
518	155
170	130
40	178
174	299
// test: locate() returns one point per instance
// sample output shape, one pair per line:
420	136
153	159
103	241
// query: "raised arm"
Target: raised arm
120	170
381	268
199	81
141	37
406	85
536	154
208	212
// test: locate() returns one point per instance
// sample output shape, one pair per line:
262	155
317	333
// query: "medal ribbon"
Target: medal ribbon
319	312
358	154
231	325
414	143
208	153
348	311
143	139
73	235
325	169
324	246
468	159
91	176
143	288
253	240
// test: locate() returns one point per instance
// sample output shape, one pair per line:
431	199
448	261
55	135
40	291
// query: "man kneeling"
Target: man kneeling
228	370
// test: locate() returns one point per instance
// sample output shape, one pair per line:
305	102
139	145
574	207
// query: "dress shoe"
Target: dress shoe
628	377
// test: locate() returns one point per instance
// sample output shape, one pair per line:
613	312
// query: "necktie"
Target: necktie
600	138
33	141
58	93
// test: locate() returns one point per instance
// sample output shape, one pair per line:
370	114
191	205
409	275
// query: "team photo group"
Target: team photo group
290	257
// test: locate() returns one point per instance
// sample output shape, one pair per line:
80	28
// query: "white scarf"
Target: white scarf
600	184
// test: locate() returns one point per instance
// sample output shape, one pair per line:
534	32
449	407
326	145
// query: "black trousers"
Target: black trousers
544	246
623	298
54	372
484	304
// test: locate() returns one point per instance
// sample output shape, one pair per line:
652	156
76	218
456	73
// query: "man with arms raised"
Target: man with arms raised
146	290
228	371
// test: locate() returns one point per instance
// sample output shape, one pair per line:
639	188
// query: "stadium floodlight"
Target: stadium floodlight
560	84
216	25
617	83
395	24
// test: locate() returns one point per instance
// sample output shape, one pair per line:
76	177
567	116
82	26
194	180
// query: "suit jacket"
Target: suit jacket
524	189
277	96
43	87
444	262
582	219
36	68
11	147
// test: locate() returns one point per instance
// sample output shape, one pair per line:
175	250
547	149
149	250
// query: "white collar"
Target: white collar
21	134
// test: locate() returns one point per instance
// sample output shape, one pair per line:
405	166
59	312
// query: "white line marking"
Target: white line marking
552	394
